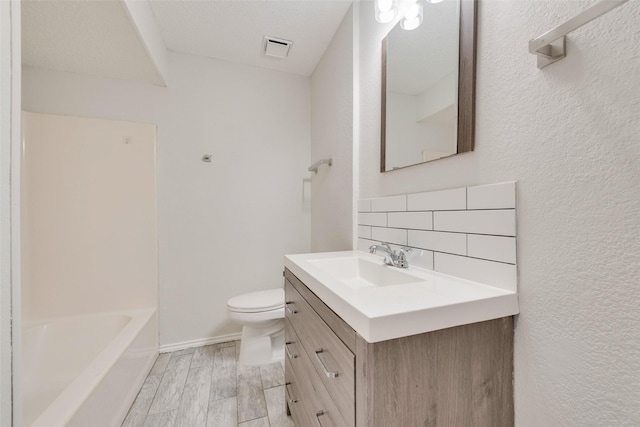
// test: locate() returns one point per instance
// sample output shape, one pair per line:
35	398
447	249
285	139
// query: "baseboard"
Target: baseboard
167	348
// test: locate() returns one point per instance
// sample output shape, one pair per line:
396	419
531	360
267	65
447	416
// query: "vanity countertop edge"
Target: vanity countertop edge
392	312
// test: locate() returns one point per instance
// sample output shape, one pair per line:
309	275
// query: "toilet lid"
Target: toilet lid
257	301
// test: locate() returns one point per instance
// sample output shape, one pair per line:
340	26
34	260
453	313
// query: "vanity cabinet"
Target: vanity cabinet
460	376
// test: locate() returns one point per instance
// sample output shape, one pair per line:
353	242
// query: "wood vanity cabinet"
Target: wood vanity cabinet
460	376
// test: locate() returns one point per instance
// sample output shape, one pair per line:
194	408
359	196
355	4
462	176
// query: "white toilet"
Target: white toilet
261	315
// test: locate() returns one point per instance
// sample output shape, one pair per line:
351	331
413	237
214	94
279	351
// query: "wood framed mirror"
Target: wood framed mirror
428	86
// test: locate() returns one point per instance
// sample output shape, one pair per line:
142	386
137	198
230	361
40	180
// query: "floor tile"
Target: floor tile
275	398
190	350
195	398
203	356
224	383
224	356
161	364
140	407
251	403
223	413
260	422
272	375
207	387
170	389
162	419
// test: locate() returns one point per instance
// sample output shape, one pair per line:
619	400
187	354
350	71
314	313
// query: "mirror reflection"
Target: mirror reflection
420	88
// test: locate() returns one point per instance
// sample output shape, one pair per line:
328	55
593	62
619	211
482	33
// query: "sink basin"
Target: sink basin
358	273
381	302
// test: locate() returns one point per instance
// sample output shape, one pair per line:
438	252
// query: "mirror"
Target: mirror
428	86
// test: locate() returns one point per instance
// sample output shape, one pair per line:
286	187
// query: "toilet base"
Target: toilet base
260	346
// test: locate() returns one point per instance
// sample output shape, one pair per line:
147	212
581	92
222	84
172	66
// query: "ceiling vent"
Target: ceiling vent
278	48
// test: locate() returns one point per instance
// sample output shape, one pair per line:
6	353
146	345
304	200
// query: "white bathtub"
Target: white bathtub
86	370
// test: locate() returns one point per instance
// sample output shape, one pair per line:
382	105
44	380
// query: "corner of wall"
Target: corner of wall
145	25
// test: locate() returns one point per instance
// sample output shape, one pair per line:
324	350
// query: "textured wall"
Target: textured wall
213	218
569	135
332	136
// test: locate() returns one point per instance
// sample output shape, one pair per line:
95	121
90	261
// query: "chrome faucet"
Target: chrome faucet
392	257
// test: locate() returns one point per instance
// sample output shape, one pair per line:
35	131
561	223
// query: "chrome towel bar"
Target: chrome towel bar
314	167
550	46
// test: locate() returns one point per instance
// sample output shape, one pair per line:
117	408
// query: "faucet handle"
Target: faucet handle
402	257
402	260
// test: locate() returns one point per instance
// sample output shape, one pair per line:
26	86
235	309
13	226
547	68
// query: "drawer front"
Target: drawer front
335	322
314	406
327	354
295	400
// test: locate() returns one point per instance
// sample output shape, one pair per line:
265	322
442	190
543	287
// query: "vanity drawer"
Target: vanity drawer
315	407
345	332
326	353
294	398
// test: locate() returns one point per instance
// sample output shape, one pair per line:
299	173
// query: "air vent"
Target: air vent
278	48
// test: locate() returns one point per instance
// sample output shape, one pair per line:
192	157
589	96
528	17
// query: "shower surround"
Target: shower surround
90	285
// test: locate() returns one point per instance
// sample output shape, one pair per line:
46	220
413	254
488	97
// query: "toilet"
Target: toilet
261	315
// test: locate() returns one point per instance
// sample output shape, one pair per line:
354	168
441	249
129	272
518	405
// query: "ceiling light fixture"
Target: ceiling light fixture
413	18
386	10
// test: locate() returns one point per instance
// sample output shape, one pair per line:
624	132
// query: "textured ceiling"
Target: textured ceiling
87	37
234	30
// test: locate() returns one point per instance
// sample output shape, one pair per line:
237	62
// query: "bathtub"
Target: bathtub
86	370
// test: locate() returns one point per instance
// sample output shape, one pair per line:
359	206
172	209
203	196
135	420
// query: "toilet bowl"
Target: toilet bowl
261	315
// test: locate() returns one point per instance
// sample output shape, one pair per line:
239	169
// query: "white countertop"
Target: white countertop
379	313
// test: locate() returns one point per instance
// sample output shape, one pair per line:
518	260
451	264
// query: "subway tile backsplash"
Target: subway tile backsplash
465	232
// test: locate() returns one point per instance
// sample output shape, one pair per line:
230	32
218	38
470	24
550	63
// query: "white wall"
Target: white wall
223	226
89	232
332	136
569	135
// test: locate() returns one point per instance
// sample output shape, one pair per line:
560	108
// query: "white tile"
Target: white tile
413	220
376	219
488	272
389	235
389	204
492	247
420	258
501	222
493	196
455	243
364	244
364	231
364	205
438	200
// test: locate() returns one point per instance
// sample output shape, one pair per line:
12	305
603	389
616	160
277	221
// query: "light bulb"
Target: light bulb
385	5
386	10
412	12
413	18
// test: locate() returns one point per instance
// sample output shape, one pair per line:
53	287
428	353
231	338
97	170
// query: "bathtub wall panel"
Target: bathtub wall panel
90	234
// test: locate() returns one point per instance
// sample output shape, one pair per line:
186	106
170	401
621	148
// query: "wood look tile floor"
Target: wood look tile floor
207	387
